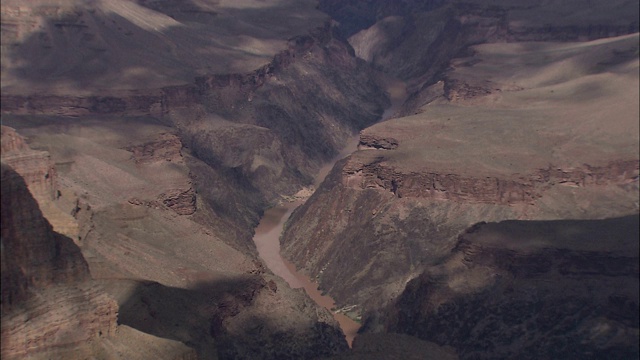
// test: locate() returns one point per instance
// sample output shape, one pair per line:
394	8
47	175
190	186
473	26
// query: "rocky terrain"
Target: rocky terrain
422	176
50	305
507	291
154	134
164	174
511	129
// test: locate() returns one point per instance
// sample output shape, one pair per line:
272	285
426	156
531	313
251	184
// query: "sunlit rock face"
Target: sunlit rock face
531	147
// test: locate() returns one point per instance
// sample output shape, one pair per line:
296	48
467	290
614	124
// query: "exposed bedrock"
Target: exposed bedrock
32	254
232	318
514	189
276	126
368	229
531	289
34	166
394	208
47	295
362	245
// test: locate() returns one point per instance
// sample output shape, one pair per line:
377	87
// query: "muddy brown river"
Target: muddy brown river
267	239
267	236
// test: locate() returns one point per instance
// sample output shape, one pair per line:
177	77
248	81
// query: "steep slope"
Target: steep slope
172	125
70	47
39	266
51	308
519	131
531	289
417	45
178	268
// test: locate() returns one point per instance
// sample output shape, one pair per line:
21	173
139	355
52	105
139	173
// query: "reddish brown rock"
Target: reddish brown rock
514	189
165	148
48	300
183	202
34	166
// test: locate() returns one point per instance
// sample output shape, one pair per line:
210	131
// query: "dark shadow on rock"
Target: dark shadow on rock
90	48
209	317
532	290
33	255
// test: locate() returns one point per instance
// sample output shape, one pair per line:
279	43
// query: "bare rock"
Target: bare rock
532	290
47	298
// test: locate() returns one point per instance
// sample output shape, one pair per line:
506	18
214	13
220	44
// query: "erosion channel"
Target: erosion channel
267	234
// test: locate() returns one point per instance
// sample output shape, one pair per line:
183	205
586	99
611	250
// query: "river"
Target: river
267	234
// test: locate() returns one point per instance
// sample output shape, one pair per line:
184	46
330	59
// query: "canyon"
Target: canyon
458	177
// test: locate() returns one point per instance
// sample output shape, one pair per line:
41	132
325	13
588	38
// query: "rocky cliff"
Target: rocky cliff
517	189
415	42
47	300
531	147
30	246
275	126
532	290
34	166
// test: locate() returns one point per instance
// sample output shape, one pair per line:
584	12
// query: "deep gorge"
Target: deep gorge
486	195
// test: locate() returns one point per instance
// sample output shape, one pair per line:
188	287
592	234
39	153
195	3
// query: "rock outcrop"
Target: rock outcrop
30	247
531	290
34	166
511	153
47	298
277	125
517	189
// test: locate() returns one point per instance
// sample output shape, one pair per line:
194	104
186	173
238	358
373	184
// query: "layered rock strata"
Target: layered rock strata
517	189
534	147
432	33
34	166
47	298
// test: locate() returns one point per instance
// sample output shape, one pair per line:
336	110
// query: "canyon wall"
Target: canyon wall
34	166
503	134
46	279
532	290
517	189
417	45
397	223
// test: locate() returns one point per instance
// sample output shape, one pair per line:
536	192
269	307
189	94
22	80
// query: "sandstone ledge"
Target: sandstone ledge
498	189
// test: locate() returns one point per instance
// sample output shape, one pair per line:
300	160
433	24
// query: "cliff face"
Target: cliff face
30	246
44	273
275	126
240	317
34	166
362	245
506	135
517	189
532	290
171	173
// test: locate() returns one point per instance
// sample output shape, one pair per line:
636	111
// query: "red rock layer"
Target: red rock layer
512	189
47	298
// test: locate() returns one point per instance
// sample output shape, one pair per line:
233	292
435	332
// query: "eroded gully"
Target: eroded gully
267	234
